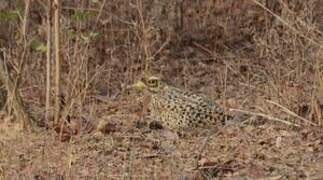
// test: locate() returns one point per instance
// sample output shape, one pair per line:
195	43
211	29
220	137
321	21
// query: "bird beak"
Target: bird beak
138	85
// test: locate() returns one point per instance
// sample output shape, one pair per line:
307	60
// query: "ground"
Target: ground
260	60
131	149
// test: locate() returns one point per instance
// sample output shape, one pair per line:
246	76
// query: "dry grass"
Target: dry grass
263	59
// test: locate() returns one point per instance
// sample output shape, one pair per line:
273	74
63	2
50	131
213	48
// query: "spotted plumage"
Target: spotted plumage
177	108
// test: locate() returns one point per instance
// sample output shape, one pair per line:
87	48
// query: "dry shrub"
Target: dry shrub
290	48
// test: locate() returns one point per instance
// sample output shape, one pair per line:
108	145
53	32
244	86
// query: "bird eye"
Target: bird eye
152	82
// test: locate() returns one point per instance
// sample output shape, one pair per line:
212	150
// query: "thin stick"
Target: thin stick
48	59
57	60
265	116
24	30
18	107
12	86
291	112
145	42
204	145
287	25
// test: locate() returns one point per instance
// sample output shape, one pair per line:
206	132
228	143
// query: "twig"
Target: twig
205	143
18	107
291	112
265	116
24	30
144	40
287	24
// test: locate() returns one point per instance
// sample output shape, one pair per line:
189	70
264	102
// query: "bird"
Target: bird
176	108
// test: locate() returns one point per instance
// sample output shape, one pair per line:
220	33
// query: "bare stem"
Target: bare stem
57	60
48	60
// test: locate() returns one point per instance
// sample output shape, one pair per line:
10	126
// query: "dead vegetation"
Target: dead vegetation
257	58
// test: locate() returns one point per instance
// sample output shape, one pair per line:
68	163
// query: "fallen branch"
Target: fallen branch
291	113
265	116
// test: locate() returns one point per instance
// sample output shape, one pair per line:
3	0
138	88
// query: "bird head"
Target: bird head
153	84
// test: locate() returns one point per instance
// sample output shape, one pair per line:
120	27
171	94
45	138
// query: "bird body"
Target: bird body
177	108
